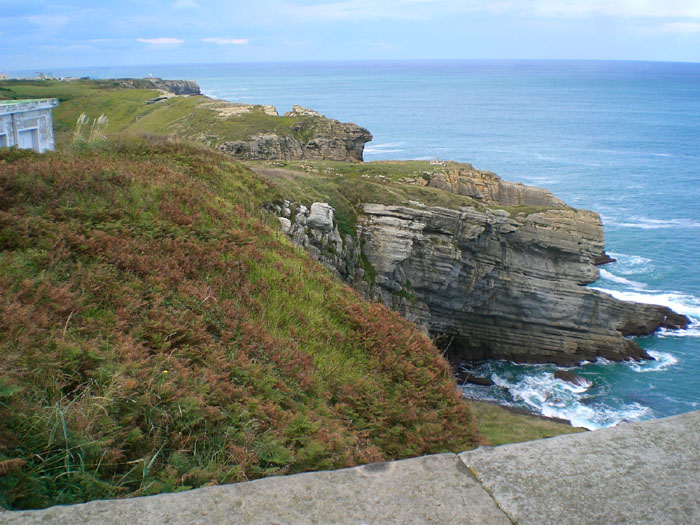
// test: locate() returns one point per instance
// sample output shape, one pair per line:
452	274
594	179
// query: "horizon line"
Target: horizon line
352	61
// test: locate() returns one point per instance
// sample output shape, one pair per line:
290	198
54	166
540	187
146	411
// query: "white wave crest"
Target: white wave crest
631	264
388	147
692	331
661	361
656	224
621	280
552	397
682	303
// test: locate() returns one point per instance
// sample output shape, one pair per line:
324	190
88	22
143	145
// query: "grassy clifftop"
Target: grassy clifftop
157	334
197	118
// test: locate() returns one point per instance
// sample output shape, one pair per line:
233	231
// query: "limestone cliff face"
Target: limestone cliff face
313	137
489	187
492	283
500	286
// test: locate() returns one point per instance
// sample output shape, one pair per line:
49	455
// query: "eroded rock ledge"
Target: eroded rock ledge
491	282
313	137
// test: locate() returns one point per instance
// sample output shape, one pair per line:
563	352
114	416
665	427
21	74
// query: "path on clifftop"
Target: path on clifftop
636	473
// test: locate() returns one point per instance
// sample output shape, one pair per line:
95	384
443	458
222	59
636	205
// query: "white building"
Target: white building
27	124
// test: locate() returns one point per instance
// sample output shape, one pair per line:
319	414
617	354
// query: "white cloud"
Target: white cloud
166	41
627	8
227	41
186	4
436	9
687	28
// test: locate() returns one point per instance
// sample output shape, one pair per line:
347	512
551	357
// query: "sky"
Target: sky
44	34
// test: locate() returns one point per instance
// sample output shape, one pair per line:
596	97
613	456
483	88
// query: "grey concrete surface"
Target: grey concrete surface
430	489
635	473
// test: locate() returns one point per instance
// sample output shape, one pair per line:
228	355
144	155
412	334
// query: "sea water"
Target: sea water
619	138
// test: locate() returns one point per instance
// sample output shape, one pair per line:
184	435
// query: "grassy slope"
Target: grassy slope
347	186
499	426
156	334
191	117
136	361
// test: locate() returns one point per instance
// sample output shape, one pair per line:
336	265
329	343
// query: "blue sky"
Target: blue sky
36	34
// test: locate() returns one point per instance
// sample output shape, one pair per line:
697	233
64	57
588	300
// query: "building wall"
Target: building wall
27	125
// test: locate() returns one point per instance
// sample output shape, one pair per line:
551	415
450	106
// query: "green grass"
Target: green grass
157	334
499	426
194	118
347	186
122	106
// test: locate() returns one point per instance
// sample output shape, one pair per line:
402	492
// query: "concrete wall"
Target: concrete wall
637	473
27	124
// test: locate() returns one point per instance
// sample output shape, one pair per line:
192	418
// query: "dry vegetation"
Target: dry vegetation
156	334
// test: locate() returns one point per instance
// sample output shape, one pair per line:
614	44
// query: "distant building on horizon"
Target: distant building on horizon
27	124
3	76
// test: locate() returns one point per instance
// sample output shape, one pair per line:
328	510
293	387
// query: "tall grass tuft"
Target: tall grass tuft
97	132
90	133
80	126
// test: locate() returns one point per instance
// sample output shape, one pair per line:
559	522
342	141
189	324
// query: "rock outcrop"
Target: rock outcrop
176	87
499	280
312	137
257	131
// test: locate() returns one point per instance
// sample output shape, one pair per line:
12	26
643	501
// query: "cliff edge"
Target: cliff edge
177	107
500	277
314	137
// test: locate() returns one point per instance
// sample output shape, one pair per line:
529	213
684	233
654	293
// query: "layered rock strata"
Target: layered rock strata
312	137
490	282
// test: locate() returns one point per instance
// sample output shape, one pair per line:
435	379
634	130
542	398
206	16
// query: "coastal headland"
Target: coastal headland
164	330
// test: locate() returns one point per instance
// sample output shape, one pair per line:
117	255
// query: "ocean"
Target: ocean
619	138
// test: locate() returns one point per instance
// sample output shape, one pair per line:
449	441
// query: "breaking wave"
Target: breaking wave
389	147
621	280
631	264
682	303
535	388
656	224
662	361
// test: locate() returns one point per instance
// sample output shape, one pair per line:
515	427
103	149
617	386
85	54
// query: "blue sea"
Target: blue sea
619	138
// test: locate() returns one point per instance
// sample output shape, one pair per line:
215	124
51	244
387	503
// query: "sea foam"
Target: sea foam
542	393
661	361
656	224
682	303
621	280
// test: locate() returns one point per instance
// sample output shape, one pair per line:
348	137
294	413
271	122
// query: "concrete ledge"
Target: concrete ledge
636	473
430	489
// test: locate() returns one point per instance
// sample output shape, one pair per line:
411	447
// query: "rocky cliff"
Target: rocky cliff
312	137
244	131
176	87
503	278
